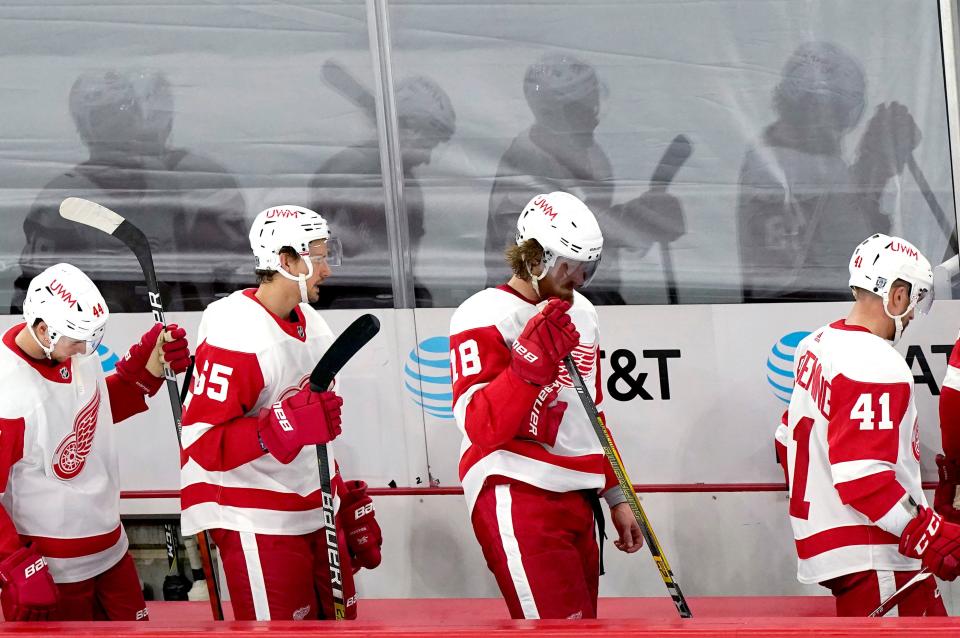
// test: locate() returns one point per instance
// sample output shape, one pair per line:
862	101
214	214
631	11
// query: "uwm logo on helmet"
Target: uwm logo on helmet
909	251
282	213
545	206
58	289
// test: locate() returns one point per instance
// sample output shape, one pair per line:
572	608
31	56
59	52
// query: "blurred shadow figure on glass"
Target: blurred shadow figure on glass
348	187
801	204
559	152
187	204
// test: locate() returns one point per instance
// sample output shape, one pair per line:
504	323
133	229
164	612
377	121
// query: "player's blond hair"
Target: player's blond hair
524	257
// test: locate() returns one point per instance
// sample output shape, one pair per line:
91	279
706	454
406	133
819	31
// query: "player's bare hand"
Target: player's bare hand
630	539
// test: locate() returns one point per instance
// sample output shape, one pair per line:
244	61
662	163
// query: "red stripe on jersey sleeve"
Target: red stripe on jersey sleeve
496	411
865	420
226	387
9	539
950	420
126	399
873	495
11	447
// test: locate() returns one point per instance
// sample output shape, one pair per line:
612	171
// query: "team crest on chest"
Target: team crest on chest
71	454
585	358
289	392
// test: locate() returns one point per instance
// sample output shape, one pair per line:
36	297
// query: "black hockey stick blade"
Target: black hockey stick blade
344	83
357	335
673	158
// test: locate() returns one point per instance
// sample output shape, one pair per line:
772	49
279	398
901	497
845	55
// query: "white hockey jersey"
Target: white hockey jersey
63	490
853	451
248	359
482	332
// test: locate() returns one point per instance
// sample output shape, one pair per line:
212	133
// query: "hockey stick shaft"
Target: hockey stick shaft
894	599
340	351
950	229
673	158
103	219
203	539
610	451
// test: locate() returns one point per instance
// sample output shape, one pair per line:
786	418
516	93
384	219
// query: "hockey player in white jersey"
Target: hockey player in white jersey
850	439
63	551
250	473
530	462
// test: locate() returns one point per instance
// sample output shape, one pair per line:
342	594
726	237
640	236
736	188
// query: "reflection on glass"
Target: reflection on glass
559	152
802	208
348	191
187	204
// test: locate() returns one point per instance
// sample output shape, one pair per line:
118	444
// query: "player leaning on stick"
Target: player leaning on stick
63	556
853	448
250	473
530	463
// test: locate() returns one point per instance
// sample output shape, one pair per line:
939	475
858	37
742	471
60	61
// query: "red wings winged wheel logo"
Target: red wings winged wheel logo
71	454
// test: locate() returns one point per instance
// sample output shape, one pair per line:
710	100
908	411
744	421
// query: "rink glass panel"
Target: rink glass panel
796	151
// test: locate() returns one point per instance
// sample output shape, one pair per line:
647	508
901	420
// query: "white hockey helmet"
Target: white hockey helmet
295	227
880	260
69	303
566	230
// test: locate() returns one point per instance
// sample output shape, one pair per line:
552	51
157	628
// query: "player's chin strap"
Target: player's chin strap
301	279
47	350
897	319
535	279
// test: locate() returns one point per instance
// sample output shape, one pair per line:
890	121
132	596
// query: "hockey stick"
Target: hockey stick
169	533
894	599
617	464
357	335
103	219
344	83
673	158
949	229
203	539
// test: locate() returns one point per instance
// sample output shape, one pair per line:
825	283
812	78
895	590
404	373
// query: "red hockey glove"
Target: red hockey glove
545	418
945	496
306	418
935	542
363	532
135	367
29	592
547	338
